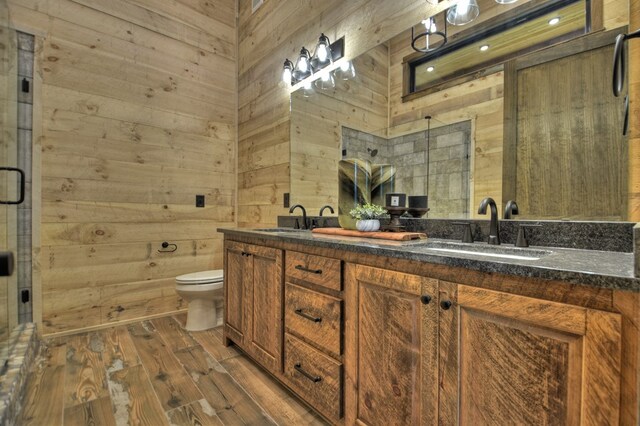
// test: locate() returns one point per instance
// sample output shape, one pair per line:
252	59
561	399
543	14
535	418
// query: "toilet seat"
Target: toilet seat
199	278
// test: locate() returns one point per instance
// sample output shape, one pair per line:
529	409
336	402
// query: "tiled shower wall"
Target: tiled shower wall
25	112
436	164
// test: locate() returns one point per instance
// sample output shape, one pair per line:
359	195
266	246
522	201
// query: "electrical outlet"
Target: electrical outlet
286	199
199	200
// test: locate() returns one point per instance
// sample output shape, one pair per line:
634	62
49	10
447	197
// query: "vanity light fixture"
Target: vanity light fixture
554	21
433	39
307	66
463	12
287	73
303	66
346	71
484	47
323	51
325	82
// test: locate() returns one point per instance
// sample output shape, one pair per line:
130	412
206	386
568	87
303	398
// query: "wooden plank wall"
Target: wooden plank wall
316	127
634	114
480	100
276	31
138	102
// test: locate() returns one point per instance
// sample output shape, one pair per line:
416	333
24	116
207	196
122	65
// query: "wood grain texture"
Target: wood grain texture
322	271
629	306
198	413
503	354
221	392
43	403
85	376
634	116
325	394
169	380
391	379
325	334
282	406
136	111
134	400
264	300
95	412
564	168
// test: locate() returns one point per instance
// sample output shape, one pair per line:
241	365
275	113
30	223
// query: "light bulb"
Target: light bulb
303	64
322	52
306	85
286	75
345	66
326	76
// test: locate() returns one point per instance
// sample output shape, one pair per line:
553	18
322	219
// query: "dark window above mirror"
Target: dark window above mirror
482	47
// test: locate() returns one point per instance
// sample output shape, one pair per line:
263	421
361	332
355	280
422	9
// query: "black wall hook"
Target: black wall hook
168	247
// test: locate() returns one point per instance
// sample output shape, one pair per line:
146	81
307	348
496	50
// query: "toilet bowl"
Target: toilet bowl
202	291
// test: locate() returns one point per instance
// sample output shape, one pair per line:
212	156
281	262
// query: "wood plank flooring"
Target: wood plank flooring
154	373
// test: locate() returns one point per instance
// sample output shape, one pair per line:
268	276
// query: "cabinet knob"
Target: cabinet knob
445	304
426	299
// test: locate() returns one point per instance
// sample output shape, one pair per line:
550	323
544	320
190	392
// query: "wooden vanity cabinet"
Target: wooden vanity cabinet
253	301
391	347
510	359
313	345
423	351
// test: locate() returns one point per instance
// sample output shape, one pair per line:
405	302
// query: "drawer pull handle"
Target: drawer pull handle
314	379
307	316
313	271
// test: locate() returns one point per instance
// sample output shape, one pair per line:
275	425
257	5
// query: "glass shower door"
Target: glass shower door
11	179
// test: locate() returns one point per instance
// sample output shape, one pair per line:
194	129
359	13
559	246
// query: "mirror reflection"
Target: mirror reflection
541	127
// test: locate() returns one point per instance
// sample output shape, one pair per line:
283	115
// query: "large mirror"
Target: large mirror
539	126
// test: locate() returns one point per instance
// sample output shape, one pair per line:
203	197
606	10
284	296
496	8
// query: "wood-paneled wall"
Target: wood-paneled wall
316	127
278	30
138	115
634	114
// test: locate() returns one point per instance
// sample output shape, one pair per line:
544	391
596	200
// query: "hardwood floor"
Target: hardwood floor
154	373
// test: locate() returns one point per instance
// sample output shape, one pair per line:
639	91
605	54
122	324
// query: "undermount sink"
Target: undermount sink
485	250
278	230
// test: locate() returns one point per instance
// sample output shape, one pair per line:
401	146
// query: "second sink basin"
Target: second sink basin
485	250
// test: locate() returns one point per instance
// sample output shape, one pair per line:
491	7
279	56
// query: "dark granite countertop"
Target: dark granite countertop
604	269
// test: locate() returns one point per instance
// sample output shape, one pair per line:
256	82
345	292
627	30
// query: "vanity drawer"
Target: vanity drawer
314	316
313	269
313	375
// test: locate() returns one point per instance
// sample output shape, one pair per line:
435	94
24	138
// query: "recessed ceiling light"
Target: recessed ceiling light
430	69
554	21
484	47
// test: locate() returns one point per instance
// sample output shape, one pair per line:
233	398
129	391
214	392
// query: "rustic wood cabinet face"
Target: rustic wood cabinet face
390	348
509	359
254	295
474	356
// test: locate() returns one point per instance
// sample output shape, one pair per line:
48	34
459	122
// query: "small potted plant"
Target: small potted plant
368	216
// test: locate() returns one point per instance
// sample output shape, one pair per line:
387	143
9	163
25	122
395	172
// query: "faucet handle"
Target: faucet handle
467	235
521	241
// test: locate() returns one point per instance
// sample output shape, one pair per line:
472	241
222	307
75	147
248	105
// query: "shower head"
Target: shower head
373	152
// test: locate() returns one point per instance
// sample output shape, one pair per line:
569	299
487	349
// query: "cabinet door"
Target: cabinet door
508	359
390	348
263	339
237	282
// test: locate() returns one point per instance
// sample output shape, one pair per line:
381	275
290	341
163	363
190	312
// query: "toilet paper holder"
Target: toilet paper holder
166	249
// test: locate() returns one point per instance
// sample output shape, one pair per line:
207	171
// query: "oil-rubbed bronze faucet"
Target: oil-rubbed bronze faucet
510	209
324	222
305	224
494	229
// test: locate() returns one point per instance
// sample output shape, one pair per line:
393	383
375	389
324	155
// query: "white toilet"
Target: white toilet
203	292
